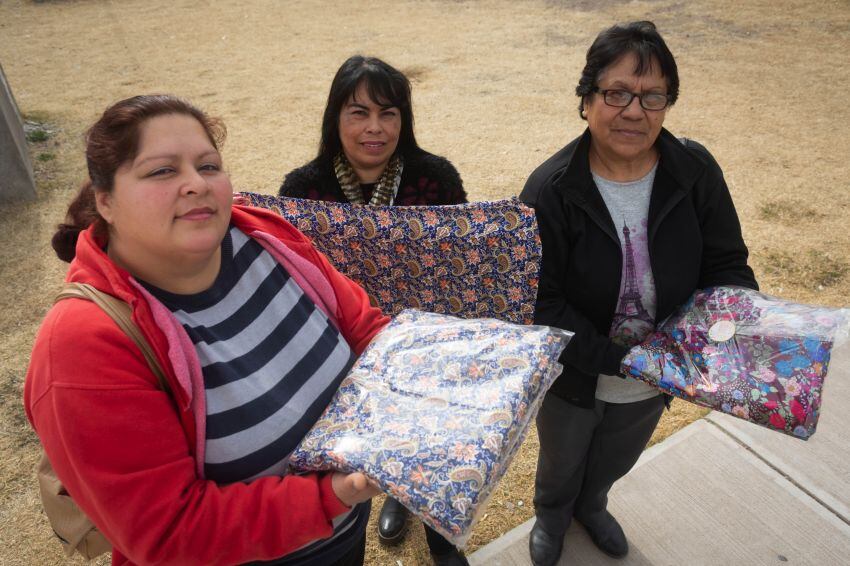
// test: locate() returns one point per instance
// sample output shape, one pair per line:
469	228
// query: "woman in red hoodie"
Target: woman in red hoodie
254	330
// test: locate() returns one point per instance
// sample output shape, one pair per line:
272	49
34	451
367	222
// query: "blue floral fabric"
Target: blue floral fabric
744	353
435	410
475	260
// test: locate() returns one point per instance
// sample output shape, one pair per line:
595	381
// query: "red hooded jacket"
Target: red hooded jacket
131	455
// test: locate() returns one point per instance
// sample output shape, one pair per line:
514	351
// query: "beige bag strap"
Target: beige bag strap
75	530
121	313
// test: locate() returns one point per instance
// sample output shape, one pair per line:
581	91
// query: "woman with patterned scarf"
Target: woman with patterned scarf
368	155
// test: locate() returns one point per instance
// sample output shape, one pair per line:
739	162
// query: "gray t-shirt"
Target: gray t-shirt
634	318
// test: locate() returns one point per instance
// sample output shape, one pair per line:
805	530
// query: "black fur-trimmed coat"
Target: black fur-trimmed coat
426	179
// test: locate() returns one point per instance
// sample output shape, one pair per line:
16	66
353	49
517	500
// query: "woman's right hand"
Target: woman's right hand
354	488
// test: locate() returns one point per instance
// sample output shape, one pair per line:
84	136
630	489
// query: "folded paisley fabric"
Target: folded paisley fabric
475	260
744	353
435	410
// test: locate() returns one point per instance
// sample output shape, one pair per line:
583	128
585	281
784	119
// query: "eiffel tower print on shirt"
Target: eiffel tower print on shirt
631	321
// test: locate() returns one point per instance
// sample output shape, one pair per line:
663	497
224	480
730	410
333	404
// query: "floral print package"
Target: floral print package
744	353
434	410
476	260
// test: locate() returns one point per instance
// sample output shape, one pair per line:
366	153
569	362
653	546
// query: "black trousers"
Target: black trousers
583	452
355	556
437	544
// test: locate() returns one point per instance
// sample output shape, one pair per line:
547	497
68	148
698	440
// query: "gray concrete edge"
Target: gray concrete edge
497	547
781	466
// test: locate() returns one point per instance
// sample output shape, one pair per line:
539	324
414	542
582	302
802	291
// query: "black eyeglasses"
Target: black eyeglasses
622	98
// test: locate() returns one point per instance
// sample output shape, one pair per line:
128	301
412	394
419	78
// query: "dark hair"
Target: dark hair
110	142
385	85
640	38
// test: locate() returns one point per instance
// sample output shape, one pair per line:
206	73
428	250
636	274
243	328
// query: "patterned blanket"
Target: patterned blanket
477	260
435	410
744	353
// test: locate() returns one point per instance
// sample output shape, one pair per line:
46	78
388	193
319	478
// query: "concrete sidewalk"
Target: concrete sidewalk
724	492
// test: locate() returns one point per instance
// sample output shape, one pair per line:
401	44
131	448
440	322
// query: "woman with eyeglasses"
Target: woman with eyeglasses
632	221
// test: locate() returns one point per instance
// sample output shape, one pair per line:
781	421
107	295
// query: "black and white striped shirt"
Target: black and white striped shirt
271	362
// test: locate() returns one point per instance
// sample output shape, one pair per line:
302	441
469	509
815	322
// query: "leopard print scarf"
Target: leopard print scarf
385	189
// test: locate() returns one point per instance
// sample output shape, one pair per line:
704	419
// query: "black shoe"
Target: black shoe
452	558
608	536
545	549
392	523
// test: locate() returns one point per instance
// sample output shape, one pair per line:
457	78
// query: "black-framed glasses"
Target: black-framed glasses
621	98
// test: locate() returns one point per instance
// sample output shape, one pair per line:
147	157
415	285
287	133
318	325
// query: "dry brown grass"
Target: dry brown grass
764	86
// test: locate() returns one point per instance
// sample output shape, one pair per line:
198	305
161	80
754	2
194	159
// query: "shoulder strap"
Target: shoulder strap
121	313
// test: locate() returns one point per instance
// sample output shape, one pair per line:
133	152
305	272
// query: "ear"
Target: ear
103	202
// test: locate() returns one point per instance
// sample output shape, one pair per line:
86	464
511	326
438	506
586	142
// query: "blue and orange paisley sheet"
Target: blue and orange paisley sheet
475	260
744	353
435	409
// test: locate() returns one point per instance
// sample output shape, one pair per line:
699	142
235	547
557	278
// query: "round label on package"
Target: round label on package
722	330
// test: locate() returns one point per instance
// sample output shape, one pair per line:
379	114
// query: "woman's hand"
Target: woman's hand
239	199
354	488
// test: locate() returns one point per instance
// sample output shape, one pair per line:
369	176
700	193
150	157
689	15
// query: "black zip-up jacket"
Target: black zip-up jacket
694	242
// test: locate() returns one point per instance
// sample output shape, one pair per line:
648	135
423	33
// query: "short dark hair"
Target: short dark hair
385	85
640	38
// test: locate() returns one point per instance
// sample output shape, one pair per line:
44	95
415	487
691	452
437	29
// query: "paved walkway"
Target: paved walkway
722	491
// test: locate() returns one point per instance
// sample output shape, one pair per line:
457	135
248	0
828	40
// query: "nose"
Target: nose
373	126
633	110
194	183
